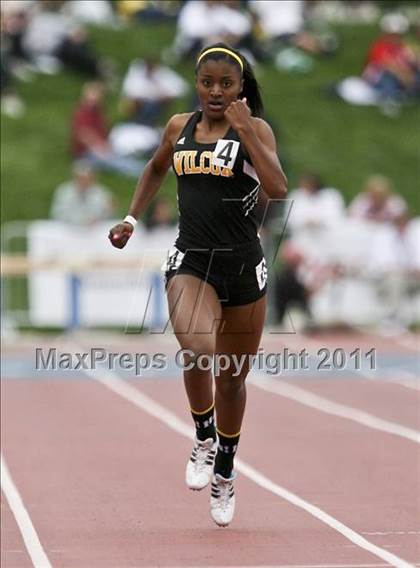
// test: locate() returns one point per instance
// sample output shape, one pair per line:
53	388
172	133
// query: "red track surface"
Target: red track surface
103	481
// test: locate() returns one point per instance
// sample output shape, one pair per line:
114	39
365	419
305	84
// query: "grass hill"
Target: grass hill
315	131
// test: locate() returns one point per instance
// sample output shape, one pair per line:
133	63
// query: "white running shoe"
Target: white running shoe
200	465
222	500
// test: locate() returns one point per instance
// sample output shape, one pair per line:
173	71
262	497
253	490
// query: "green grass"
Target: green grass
344	144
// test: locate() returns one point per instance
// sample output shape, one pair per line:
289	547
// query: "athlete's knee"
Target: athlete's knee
197	348
231	370
230	386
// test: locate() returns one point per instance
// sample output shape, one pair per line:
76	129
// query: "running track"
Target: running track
94	466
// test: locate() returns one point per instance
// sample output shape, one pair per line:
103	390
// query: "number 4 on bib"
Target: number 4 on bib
225	153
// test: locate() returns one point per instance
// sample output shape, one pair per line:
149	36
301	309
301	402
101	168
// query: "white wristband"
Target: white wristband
130	219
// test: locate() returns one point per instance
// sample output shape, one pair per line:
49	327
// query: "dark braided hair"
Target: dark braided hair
251	89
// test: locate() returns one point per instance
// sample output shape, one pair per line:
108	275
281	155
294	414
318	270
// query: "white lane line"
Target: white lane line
302	396
23	520
120	387
404	378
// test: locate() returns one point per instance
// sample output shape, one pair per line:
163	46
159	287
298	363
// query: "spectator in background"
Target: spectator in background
15	17
93	12
284	22
211	21
395	267
377	202
52	39
148	88
89	135
289	287
159	215
81	201
314	206
160	223
392	67
11	104
148	10
298	278
279	19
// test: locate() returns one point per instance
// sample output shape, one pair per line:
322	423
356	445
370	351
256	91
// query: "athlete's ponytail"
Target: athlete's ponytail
251	89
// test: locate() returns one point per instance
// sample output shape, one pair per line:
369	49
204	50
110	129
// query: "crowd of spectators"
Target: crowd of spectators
316	217
260	28
46	36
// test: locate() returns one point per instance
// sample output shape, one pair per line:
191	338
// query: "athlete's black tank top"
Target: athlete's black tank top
217	191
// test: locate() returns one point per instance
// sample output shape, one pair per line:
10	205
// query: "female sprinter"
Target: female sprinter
216	273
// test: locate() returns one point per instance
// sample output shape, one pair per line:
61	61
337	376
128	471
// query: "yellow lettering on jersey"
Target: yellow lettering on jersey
178	159
205	169
195	168
214	170
226	172
189	161
185	162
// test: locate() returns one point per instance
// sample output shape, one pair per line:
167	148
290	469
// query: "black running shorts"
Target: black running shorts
238	274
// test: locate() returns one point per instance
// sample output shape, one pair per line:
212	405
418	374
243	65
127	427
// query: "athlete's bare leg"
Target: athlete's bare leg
240	334
195	314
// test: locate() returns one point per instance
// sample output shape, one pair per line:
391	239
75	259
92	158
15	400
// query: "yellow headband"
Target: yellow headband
223	50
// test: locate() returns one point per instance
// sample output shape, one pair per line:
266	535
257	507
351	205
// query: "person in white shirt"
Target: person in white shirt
210	21
279	18
148	88
313	206
285	20
395	266
377	202
81	201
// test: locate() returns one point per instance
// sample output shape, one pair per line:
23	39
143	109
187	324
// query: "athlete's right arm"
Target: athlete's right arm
150	180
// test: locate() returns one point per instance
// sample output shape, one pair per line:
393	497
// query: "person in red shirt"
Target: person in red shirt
89	135
392	67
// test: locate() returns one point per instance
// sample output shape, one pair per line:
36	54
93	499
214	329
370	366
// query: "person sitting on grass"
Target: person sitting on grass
82	201
89	135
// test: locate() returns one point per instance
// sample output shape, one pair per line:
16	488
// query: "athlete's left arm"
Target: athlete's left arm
259	141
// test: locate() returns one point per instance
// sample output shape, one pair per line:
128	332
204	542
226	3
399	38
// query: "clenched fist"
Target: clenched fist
238	114
120	234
